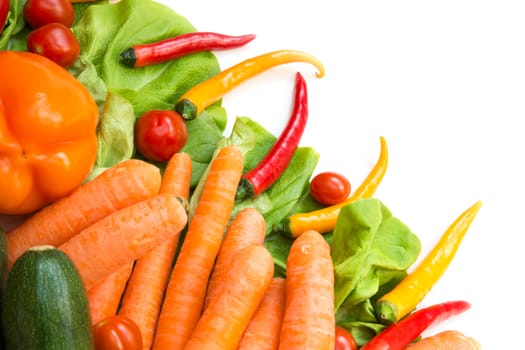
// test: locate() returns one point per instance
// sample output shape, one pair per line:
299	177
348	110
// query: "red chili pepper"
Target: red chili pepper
398	335
275	162
4	10
180	45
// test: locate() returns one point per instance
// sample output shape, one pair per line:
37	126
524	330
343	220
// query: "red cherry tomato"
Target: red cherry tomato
117	333
330	188
40	12
343	339
159	134
56	42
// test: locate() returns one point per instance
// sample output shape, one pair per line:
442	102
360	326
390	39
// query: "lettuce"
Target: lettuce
123	94
371	251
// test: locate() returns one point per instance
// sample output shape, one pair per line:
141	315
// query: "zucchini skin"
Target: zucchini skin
45	304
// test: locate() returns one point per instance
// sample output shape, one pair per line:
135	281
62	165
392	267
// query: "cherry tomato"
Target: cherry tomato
4	10
330	188
40	12
159	134
56	42
117	333
343	339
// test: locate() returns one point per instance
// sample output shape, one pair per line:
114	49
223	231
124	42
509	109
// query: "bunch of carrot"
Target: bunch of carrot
122	232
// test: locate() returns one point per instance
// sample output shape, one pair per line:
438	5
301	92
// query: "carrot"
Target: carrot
240	292
124	184
247	228
177	176
309	321
143	297
124	236
104	297
188	281
262	333
446	340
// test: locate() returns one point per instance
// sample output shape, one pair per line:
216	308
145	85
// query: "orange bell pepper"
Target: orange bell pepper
48	141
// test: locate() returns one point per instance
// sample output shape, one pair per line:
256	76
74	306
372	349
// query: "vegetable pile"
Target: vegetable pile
153	229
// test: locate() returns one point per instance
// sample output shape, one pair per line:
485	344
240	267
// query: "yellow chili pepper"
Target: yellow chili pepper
405	296
324	220
202	95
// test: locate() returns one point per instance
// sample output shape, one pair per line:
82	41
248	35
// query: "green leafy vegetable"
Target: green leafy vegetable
115	134
105	30
372	251
15	24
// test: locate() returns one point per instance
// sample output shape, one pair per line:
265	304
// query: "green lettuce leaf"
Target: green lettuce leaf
105	30
372	251
115	134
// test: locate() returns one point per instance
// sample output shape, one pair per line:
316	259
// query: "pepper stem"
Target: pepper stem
187	109
128	57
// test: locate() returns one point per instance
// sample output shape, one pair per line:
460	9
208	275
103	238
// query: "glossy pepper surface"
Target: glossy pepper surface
48	141
4	10
323	220
202	95
406	295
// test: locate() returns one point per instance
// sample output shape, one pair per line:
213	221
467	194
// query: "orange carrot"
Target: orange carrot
188	281
446	340
247	228
143	297
177	176
309	321
239	294
124	236
264	328
124	184
104	297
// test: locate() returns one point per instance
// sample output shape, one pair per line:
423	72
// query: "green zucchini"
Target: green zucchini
45	304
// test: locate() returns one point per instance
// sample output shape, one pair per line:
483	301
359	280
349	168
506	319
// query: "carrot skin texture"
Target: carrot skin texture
398	335
247	228
262	333
446	340
143	297
177	176
124	236
122	185
223	322
270	168
186	289
309	320
104	297
180	45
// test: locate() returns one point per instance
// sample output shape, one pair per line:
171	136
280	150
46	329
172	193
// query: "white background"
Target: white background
444	83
